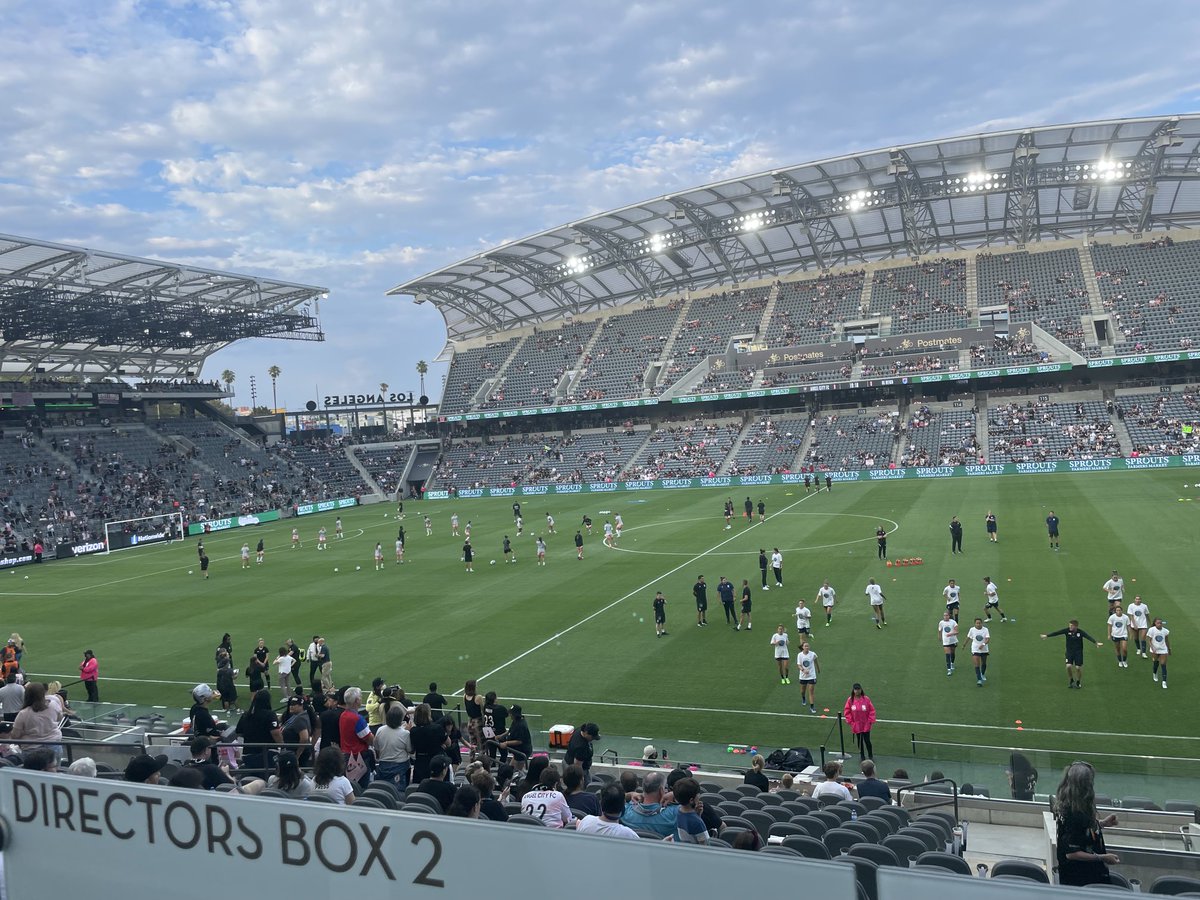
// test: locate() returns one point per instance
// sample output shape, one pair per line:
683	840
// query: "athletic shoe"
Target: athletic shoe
659	634
1154	676
666	633
949	672
812	709
783	681
779	584
787	681
699	624
749	625
885	621
737	627
984	677
979	682
1164	684
1004	618
880	627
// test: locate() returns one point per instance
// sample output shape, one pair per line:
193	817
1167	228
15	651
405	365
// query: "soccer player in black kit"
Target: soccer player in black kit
828	483
762	566
748	506
516	510
955	535
1052	529
578	544
881	540
700	592
1075	637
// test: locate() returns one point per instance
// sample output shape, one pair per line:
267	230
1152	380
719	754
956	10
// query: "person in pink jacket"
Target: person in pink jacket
860	713
89	674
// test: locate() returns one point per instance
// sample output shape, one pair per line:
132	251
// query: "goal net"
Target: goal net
127	534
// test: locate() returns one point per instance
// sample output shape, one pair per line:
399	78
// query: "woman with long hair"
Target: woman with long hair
1082	856
259	729
859	711
288	777
533	776
428	739
465	804
38	721
755	776
329	775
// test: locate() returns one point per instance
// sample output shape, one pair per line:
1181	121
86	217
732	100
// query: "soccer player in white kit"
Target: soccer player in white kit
1118	633
550	524
875	593
807	670
338	534
948	632
245	556
454	525
991	600
1139	618
428	527
779	643
295	538
951	592
608	534
803	617
1115	588
618	523
541	552
378	557
980	638
321	538
399	551
828	597
1160	648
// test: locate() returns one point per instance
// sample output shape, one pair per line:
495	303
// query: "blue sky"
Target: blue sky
355	144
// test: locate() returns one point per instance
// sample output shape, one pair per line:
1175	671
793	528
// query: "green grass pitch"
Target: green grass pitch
575	640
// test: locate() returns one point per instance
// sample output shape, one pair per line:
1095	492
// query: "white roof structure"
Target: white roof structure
1007	189
72	311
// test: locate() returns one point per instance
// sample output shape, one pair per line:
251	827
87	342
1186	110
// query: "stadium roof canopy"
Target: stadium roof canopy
71	311
1006	189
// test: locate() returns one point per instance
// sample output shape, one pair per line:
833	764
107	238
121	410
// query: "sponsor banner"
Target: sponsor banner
1144	359
194	528
930	341
799	355
549	410
307	509
9	562
724	481
68	551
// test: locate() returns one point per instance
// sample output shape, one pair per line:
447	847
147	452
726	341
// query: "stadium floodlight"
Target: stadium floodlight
657	243
576	265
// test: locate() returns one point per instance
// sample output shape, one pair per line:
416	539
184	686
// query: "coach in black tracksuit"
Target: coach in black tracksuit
1074	637
762	566
955	535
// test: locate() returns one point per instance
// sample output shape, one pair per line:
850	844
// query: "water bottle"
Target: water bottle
853	815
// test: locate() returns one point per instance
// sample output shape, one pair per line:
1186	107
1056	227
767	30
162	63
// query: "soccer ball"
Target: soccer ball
492	563
26	577
335	569
190	571
358	568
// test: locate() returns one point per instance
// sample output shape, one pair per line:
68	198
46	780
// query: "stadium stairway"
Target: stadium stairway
972	288
805	444
636	454
982	432
748	423
363	473
764	323
1088	264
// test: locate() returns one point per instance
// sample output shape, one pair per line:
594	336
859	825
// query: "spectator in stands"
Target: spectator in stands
433	699
355	738
489	806
428	740
755	776
329	775
259	728
12	697
211	775
871	786
579	748
533	776
438	783
38	720
393	749
466	803
650	813
612	806
40	759
145	769
1082	856
84	768
832	786
582	801
517	739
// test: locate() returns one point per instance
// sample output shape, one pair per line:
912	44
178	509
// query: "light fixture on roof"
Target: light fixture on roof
657	243
578	264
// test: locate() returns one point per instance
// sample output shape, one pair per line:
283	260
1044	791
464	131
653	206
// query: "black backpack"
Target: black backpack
797	759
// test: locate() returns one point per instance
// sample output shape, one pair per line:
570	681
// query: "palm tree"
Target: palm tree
274	372
229	378
383	394
422	368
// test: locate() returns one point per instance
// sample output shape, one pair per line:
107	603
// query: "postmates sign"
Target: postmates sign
133	836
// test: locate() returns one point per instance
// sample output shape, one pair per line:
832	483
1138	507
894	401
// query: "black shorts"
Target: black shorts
995	603
952	607
702	605
660	618
801	631
1054	534
1075	659
1117	640
746	607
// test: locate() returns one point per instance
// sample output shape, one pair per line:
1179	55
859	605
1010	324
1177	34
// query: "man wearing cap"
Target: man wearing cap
650	757
579	748
203	723
650	813
328	719
201	760
298	730
144	769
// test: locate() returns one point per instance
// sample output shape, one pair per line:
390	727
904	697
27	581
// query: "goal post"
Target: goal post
127	534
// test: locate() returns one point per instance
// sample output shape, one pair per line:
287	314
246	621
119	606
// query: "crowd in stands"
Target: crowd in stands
1006	350
928	296
724	379
805	375
684	451
848	441
1162	423
907	365
1037	431
769	447
939	438
808	312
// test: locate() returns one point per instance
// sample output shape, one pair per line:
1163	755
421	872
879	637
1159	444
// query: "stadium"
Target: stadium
834	363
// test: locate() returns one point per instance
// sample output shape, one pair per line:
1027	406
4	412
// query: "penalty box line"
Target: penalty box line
635	592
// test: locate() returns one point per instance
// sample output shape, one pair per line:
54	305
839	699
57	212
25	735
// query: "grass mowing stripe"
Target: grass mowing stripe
632	593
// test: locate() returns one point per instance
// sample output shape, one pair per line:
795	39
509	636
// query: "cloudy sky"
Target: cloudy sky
354	144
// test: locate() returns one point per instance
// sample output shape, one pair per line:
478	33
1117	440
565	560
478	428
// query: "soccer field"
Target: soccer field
575	640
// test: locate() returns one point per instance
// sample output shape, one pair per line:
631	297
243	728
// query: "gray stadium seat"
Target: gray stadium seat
1021	867
878	854
1175	884
939	859
523	819
809	847
840	840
